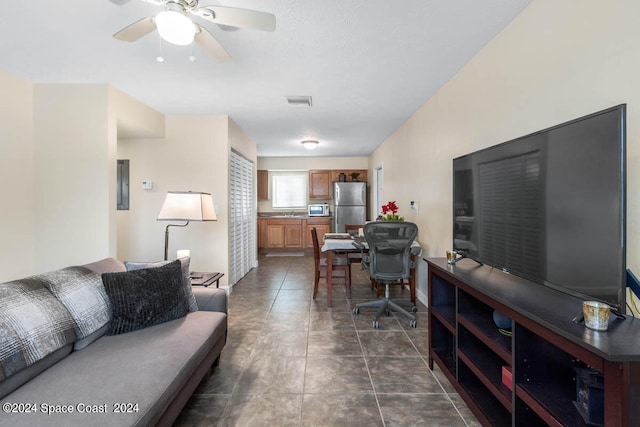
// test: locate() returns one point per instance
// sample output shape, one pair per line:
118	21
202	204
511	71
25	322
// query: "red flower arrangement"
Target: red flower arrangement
390	212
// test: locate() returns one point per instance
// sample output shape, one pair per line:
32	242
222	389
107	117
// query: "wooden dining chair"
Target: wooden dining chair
340	270
354	257
348	228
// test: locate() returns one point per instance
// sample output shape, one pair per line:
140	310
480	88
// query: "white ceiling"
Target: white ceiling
368	64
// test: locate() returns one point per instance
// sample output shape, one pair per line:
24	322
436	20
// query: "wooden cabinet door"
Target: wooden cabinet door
335	175
322	227
362	177
293	236
320	184
263	185
262	233
275	235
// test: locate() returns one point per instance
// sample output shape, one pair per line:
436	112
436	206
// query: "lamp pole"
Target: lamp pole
166	238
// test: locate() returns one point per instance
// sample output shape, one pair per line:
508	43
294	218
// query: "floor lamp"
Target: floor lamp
185	206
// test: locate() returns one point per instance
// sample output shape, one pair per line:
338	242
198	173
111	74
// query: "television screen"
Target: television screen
550	206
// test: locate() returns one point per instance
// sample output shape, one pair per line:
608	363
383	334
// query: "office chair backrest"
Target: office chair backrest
390	249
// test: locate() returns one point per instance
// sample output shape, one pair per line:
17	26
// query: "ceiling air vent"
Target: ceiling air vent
299	101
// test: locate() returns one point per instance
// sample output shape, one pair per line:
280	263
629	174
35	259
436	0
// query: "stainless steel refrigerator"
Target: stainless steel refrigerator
350	204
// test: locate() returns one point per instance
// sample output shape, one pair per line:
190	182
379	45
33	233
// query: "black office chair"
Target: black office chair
388	262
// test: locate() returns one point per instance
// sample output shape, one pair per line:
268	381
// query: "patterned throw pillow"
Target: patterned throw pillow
146	297
33	324
83	294
186	276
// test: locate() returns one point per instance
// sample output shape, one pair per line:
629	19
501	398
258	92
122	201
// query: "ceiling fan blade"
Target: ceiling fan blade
205	40
136	30
235	17
119	2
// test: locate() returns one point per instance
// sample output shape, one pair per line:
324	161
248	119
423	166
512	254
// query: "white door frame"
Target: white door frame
377	191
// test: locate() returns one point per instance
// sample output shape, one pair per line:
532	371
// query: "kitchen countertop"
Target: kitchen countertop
276	215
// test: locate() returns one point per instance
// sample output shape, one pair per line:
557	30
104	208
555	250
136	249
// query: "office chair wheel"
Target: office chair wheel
414	309
413	324
375	324
356	310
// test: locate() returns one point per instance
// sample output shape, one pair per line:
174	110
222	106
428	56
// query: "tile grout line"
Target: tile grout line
366	364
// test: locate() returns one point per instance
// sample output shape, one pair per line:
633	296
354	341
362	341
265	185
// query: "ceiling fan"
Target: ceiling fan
175	26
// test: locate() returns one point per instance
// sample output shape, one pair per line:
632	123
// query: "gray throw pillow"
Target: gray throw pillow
82	293
146	297
33	324
186	276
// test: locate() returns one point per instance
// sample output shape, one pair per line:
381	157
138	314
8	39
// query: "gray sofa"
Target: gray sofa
141	378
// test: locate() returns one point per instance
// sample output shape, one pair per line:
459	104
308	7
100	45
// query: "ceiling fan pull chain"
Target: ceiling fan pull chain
160	58
192	57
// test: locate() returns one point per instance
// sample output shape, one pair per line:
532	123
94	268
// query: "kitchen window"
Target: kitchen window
289	189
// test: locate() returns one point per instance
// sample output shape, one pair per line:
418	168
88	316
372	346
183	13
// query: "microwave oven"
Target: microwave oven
318	210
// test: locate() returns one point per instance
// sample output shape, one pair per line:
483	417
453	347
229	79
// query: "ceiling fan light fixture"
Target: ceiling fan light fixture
175	27
310	144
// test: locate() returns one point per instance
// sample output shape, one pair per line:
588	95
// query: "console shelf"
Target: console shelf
545	353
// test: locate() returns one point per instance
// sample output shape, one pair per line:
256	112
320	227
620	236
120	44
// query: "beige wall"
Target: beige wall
59	146
58	153
555	62
241	143
72	198
193	155
16	174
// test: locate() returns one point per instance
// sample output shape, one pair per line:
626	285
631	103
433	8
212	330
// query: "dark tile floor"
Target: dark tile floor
292	361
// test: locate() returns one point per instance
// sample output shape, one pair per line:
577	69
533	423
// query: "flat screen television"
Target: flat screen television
550	207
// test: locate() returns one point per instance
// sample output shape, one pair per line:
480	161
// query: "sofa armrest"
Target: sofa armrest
210	299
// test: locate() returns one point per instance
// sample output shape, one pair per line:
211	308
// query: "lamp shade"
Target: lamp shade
187	206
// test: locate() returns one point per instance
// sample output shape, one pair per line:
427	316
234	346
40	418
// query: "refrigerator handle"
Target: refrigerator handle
337	194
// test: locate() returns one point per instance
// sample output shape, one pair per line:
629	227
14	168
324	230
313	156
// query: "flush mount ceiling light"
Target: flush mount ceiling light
299	101
175	27
310	144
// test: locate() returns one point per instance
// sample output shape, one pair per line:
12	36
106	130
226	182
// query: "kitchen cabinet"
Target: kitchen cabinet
263	185
322	226
283	233
335	174
262	232
320	184
291	233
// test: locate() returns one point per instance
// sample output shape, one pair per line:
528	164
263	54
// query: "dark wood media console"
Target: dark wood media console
546	353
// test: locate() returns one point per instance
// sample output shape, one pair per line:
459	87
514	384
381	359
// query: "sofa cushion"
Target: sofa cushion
16	380
146	297
33	324
81	291
107	265
145	367
186	276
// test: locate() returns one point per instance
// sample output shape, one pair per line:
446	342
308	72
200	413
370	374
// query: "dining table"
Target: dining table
344	243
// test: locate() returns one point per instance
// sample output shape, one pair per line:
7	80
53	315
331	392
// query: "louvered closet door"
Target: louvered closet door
242	233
